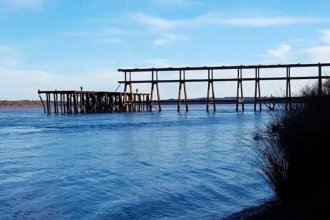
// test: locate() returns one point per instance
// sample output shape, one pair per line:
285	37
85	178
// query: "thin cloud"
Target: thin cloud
101	32
259	21
273	21
105	35
280	52
22	4
168	38
320	53
155	22
326	36
109	40
158	62
30	80
6	49
217	19
8	56
177	3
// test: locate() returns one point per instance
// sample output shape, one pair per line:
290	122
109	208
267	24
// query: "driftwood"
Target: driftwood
271	103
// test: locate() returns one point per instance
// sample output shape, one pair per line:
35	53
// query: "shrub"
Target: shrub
293	149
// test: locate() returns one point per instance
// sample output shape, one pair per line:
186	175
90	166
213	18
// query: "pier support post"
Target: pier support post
88	103
55	102
81	101
94	102
239	96
257	93
210	88
128	98
68	99
61	103
320	80
64	103
182	84
288	101
75	103
47	103
154	83
43	104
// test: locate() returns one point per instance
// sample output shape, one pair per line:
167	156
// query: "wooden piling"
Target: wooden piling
48	104
182	85
154	84
257	93
239	95
288	102
319	79
43	104
61	103
210	88
75	102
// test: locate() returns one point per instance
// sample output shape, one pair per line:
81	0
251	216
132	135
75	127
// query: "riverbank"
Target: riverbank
255	212
274	210
20	103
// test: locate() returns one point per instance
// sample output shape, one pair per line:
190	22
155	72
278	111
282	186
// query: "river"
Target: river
143	165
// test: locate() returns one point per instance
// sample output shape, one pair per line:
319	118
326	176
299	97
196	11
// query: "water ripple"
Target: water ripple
127	166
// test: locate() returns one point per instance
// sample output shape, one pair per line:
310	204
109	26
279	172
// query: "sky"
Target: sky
65	44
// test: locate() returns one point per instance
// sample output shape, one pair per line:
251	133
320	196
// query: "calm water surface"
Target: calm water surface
128	165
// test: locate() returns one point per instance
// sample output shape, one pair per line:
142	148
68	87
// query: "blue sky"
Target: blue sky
65	44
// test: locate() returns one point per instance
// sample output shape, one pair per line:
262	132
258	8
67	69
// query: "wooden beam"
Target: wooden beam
223	67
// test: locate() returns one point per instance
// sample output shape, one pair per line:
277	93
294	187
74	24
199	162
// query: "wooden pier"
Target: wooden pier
154	81
74	102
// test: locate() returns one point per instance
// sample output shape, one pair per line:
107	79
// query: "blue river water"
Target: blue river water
144	165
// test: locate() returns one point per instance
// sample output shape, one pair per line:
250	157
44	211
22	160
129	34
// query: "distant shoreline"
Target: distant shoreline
225	100
33	103
20	103
203	101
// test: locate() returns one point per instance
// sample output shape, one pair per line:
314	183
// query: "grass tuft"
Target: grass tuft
293	150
